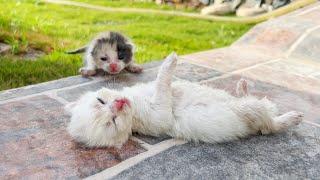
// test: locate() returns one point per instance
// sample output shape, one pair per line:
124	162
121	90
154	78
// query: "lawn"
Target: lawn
138	4
54	29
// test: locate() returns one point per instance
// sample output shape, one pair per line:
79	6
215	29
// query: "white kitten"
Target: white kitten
180	109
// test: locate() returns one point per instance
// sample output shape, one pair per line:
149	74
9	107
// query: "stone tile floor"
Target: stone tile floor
281	58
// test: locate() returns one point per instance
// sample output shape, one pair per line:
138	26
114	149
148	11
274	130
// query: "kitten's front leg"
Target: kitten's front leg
161	111
163	81
134	68
89	69
87	72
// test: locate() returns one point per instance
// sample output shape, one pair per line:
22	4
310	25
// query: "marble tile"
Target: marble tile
115	82
309	48
279	33
296	66
230	59
35	145
64	82
303	10
195	73
312	15
38	88
284	79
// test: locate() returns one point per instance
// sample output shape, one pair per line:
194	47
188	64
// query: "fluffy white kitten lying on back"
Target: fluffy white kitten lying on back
180	109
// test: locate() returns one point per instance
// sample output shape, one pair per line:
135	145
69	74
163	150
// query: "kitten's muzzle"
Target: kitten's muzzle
114	68
119	104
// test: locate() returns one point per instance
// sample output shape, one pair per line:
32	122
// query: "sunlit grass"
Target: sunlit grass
55	29
138	4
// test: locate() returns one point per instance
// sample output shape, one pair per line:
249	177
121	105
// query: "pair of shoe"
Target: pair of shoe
243	8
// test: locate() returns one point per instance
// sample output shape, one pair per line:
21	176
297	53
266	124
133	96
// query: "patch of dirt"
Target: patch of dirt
31	54
28	54
4	48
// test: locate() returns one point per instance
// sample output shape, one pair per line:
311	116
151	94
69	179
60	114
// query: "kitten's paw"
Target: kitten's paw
134	68
170	62
242	88
294	117
86	72
288	120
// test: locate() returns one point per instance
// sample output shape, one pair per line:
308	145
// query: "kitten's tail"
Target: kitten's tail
77	51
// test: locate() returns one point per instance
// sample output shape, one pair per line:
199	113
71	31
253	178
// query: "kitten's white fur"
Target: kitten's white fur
180	109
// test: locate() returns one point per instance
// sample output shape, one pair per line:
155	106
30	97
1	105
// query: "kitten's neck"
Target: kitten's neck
140	114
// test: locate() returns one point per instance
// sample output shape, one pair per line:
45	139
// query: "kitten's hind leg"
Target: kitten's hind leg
287	120
262	115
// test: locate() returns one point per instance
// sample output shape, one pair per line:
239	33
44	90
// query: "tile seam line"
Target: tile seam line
48	91
128	163
55	90
311	123
228	74
294	73
307	11
34	85
142	143
54	96
189	61
299	40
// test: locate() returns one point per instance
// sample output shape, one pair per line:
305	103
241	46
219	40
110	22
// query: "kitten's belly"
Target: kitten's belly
200	113
187	94
203	113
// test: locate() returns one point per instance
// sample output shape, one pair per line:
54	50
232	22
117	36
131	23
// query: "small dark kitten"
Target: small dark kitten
110	51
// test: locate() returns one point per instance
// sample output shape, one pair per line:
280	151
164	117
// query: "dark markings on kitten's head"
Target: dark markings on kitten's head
124	48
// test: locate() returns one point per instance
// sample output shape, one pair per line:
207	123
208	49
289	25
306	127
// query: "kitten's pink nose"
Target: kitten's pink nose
120	103
113	67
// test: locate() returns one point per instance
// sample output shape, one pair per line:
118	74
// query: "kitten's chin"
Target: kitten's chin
98	137
117	141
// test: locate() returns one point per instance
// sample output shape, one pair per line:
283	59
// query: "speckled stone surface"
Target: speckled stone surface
151	139
291	155
29	90
35	144
114	82
280	60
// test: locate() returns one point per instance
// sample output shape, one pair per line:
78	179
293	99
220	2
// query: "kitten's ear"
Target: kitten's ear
69	107
131	46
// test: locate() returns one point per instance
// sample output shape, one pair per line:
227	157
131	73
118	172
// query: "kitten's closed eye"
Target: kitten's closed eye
101	101
114	119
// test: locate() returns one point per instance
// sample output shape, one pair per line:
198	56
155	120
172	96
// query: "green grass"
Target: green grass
56	28
137	4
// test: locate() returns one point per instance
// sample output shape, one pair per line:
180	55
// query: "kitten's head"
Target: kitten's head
111	51
102	118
